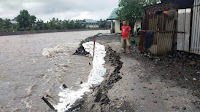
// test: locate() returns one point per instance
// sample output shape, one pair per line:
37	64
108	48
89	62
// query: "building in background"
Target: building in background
90	23
115	22
14	22
104	24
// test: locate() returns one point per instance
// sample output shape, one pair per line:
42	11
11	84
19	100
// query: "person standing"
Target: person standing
125	41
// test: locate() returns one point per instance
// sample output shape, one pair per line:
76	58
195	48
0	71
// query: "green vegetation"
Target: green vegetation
81	42
6	25
132	10
27	22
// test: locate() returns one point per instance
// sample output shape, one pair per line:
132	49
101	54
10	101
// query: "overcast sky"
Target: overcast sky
62	9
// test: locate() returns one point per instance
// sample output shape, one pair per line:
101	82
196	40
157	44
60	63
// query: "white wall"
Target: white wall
117	26
137	25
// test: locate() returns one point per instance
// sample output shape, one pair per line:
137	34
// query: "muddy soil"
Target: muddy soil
145	83
99	101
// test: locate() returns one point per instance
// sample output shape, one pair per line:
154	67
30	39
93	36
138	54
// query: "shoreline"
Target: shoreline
37	75
44	31
98	99
143	84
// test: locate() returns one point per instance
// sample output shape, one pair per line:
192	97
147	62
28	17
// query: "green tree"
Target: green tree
71	24
25	20
1	20
46	26
133	9
6	24
32	20
77	25
52	24
39	25
102	23
65	24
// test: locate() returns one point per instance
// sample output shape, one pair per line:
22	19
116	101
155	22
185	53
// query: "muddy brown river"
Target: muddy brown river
32	66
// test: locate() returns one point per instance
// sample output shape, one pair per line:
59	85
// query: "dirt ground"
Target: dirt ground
142	82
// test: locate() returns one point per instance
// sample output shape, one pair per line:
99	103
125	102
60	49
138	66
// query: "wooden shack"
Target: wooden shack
162	19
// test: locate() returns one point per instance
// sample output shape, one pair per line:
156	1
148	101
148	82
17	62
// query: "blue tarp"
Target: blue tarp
148	39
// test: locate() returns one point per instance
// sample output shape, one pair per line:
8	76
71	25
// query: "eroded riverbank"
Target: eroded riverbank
27	75
133	82
146	85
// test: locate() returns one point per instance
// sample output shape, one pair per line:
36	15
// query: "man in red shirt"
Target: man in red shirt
126	36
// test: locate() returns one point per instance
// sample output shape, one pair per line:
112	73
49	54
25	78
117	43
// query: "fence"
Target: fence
195	39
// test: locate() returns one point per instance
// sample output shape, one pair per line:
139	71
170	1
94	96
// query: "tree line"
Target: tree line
27	22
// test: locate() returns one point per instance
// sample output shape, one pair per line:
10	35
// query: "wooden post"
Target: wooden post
48	103
94	45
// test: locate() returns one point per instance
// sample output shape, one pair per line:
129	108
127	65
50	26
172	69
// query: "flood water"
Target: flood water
32	66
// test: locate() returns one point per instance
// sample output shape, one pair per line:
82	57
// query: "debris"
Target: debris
49	96
47	102
155	102
194	79
175	107
64	86
183	108
81	51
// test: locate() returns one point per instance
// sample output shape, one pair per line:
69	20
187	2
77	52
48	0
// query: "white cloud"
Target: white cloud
62	9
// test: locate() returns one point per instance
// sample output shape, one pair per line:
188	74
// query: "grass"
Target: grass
81	42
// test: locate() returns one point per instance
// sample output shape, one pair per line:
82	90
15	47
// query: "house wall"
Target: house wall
195	38
163	39
112	27
93	26
117	26
184	19
137	25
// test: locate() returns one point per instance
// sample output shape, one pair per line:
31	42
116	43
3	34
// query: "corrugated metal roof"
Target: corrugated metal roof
113	15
